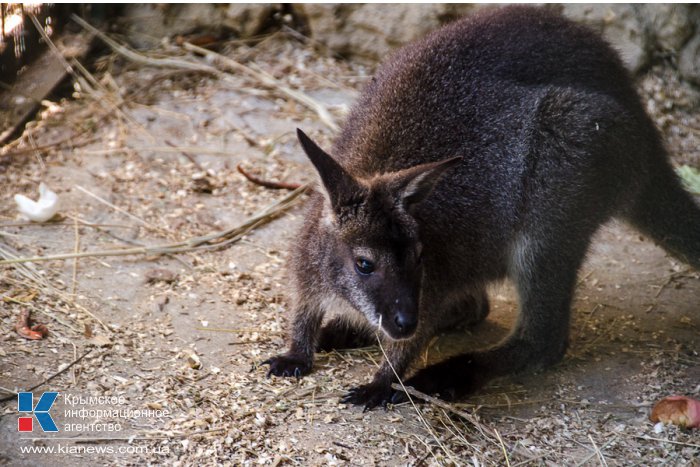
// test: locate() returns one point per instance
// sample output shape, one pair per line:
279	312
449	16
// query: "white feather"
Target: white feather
38	211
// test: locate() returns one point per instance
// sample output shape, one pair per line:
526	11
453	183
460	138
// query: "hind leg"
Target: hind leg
545	276
667	213
341	333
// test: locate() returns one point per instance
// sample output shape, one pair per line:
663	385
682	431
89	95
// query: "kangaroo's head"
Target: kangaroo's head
376	263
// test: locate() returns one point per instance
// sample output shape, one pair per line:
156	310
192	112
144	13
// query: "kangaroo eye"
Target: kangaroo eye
364	266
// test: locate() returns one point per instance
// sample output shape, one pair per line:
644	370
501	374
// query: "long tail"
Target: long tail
668	214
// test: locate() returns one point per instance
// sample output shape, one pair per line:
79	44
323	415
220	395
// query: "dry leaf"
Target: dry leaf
160	275
100	341
193	361
25	329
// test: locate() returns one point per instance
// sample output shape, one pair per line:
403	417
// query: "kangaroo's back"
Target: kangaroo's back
525	97
495	147
474	81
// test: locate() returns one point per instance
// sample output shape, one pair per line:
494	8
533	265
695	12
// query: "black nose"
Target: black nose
405	322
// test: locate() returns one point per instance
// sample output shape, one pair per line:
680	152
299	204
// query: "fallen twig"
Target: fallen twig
674	276
116	208
267	79
603	462
76	249
649	438
38	310
139	58
30	272
159	149
58	373
240	331
503	447
87	81
267	183
213	240
72	139
442	404
596	451
415	407
82	222
253	71
189	156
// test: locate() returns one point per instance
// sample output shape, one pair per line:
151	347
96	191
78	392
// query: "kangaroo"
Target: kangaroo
493	148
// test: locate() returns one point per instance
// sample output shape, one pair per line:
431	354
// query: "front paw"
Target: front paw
430	381
370	395
448	380
288	365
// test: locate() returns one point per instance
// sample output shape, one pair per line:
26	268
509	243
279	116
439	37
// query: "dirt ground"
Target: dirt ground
167	345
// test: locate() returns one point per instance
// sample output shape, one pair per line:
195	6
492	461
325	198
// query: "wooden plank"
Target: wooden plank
21	101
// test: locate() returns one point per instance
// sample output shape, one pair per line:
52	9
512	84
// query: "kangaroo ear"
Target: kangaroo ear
413	185
338	184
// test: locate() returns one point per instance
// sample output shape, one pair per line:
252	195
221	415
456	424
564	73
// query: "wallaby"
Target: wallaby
495	147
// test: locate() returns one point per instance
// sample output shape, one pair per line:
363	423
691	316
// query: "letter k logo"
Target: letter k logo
25	403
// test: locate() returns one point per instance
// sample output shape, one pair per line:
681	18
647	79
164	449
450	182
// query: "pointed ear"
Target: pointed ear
413	185
337	182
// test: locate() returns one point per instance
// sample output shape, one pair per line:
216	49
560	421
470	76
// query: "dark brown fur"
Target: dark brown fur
493	148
